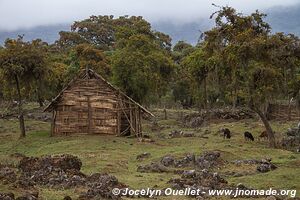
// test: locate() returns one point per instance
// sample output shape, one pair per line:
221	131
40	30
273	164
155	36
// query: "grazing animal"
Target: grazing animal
226	133
263	135
248	136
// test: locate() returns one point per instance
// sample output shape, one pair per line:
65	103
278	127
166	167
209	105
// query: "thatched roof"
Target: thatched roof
91	74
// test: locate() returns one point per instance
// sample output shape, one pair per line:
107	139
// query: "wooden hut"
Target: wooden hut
91	105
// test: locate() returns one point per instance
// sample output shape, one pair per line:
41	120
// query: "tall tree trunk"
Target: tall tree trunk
165	114
267	125
20	109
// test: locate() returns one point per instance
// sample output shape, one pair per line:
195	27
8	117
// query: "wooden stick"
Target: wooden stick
127	117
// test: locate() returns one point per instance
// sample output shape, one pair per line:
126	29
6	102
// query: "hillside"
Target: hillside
128	160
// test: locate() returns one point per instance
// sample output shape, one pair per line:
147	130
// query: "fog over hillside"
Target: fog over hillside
282	19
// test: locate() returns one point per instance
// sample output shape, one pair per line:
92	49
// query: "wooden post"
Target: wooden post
53	123
137	123
140	124
165	113
131	121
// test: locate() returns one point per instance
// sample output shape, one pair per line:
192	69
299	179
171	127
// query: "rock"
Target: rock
64	162
153	167
27	197
54	171
265	166
188	160
292	139
7	175
208	160
147	140
203	180
293	132
168	161
100	187
247	162
241	186
271	198
143	156
175	134
7	196
189	173
290	142
196	119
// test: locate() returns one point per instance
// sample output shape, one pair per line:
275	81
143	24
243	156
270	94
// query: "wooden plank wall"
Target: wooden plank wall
90	106
87	103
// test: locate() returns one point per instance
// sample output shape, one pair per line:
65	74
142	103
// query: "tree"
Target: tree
85	56
24	62
182	82
198	67
36	60
104	32
250	58
142	68
13	70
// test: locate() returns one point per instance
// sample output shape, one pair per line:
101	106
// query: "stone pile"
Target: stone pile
101	186
195	179
196	119
264	165
207	160
59	171
178	134
291	140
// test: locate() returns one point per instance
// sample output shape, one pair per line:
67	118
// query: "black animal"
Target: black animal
226	133
248	136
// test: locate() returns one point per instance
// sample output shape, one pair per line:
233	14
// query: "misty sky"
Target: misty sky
15	14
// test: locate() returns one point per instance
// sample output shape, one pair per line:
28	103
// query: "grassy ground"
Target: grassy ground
117	156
